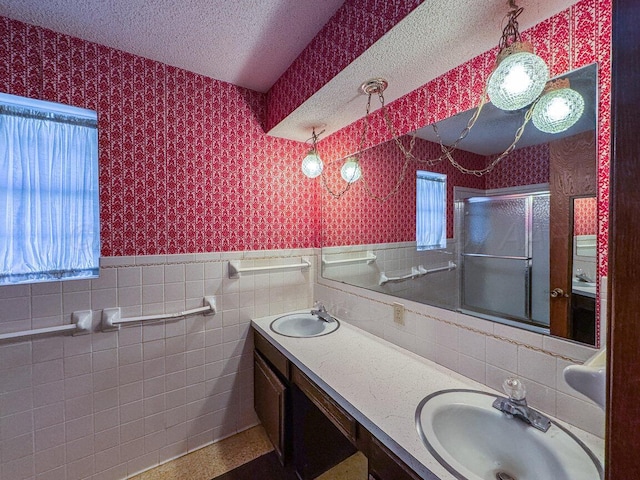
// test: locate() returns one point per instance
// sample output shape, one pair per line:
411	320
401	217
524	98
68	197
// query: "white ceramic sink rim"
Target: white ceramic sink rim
446	406
302	325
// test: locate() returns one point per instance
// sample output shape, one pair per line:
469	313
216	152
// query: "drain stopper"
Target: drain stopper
504	476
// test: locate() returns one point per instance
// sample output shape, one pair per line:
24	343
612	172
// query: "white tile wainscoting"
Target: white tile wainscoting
111	404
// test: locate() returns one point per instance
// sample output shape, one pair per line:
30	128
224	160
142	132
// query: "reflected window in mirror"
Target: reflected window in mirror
431	210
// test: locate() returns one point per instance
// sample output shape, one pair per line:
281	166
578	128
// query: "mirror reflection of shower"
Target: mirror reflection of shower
504	257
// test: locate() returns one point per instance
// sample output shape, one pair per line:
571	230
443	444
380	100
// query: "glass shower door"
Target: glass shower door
497	251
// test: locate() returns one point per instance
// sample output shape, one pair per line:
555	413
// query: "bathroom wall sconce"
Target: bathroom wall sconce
519	76
559	108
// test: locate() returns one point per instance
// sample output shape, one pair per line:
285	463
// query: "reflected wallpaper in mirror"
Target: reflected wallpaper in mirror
371	244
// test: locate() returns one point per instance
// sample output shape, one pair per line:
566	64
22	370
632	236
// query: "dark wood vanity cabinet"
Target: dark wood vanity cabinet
307	427
344	422
323	433
271	397
270	403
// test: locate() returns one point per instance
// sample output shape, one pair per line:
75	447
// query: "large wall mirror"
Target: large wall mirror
520	240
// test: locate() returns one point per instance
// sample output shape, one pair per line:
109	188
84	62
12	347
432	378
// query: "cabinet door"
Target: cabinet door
270	403
384	465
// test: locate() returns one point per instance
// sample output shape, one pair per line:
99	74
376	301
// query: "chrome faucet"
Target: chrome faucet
516	405
321	312
582	276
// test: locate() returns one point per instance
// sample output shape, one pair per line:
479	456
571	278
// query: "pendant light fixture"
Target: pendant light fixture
519	76
312	164
559	108
517	81
350	171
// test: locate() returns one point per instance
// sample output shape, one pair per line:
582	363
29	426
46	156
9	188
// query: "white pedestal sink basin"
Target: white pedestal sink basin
303	325
475	441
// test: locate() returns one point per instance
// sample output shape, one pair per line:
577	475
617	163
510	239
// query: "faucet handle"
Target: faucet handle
514	389
319	306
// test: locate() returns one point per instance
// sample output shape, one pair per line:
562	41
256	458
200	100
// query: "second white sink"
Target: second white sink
303	325
475	441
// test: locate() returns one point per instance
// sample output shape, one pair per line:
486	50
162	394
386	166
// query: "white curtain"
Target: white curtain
49	207
431	212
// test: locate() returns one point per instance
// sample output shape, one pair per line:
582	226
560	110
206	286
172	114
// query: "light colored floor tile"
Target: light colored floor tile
213	460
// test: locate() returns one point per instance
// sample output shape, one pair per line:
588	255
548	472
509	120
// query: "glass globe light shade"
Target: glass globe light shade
517	81
558	110
312	164
350	171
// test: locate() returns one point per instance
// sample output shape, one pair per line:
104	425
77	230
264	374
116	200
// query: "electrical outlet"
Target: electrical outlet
398	313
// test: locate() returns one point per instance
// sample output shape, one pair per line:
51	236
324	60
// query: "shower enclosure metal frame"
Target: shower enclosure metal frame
470	261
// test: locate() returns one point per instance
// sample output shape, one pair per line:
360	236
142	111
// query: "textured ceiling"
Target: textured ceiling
252	42
434	38
245	42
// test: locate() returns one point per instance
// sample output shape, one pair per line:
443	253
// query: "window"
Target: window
431	213
49	207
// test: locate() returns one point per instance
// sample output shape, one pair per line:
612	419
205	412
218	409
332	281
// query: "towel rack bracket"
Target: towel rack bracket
109	317
210	301
236	270
83	322
233	270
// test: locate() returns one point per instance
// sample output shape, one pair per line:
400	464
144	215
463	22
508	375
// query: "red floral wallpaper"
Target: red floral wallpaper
356	218
185	166
524	166
585	216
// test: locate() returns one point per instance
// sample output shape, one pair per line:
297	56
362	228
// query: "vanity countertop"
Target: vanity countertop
381	385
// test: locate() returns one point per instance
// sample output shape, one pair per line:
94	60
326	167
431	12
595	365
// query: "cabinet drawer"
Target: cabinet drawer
271	353
334	412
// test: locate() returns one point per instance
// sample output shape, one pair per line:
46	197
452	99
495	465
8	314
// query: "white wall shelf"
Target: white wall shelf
235	270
